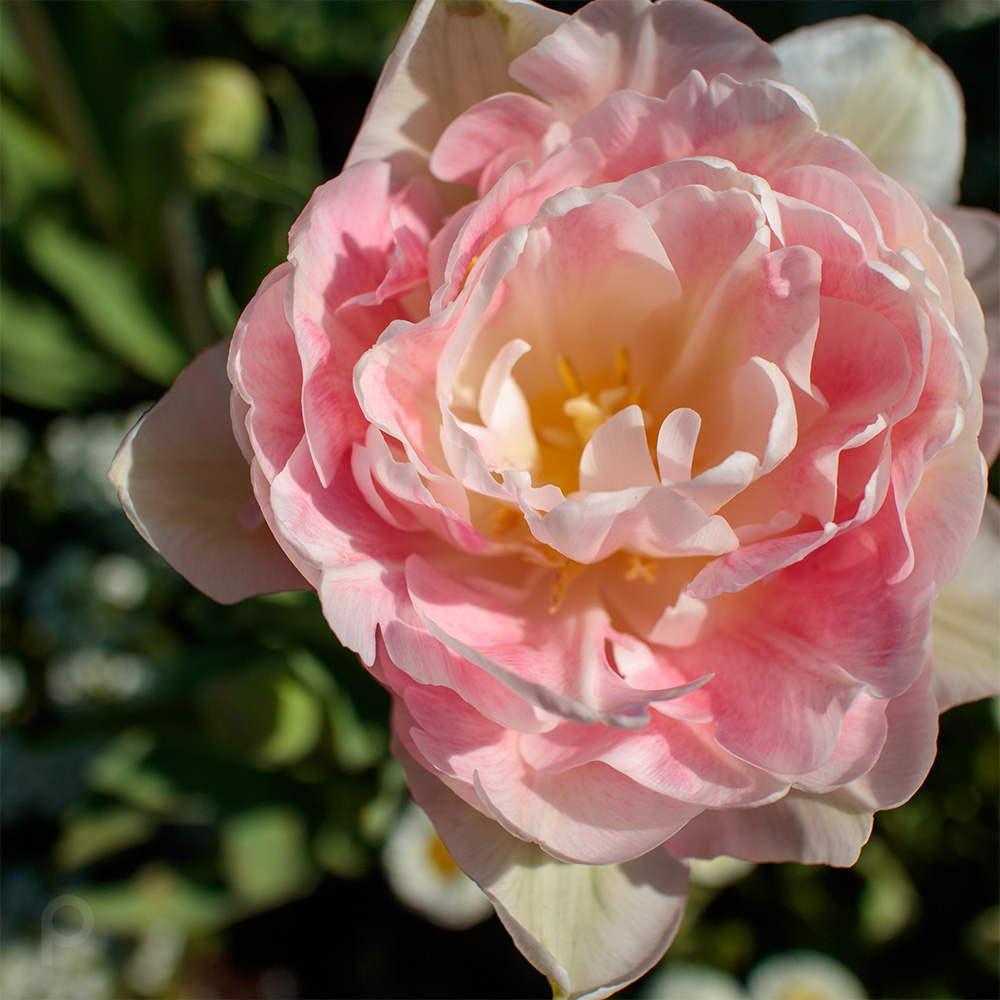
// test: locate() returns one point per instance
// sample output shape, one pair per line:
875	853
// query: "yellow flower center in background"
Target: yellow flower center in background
441	860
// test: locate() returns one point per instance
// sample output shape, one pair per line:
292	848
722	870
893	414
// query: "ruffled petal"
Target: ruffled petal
617	45
449	57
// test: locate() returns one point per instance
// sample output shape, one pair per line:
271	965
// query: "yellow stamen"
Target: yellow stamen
586	415
640	568
568	375
565	575
622	364
468	270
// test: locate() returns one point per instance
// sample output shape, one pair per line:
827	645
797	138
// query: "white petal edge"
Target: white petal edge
590	929
185	485
966	628
872	82
449	57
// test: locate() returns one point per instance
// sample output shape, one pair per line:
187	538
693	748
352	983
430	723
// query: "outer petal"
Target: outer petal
830	828
978	233
185	486
449	57
966	629
874	83
591	929
635	45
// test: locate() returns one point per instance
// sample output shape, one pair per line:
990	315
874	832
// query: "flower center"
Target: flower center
565	424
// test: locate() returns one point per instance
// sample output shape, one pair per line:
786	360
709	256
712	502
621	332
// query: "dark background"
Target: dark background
153	157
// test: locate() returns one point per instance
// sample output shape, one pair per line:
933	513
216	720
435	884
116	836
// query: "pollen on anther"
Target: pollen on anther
640	568
622	364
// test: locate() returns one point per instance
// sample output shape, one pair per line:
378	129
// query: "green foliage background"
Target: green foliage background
221	774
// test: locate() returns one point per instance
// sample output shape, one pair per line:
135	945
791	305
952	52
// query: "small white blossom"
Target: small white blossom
803	975
31	971
423	875
93	675
153	964
121	580
689	981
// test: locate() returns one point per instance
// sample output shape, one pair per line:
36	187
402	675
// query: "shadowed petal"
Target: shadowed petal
591	929
185	485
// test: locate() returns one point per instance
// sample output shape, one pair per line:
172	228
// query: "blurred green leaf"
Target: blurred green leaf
298	724
356	745
16	72
211	110
42	362
157	896
888	901
118	771
265	855
104	291
31	158
221	304
94	834
340	853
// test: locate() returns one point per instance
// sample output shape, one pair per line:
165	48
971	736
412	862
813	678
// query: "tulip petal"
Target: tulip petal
449	57
185	485
978	234
591	929
966	628
634	45
874	83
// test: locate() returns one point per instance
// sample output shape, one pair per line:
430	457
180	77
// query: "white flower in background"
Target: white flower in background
13	686
80	449
91	674
80	972
803	975
689	981
121	580
717	873
153	964
423	875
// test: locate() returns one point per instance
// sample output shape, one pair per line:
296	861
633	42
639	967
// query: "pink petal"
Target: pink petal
339	247
591	814
185	485
557	661
356	554
632	45
511	124
265	369
677	759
